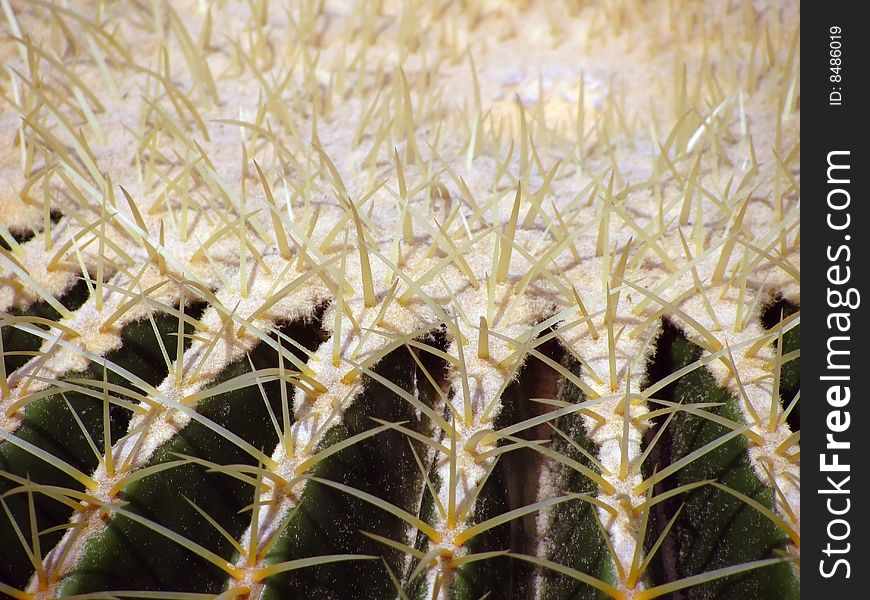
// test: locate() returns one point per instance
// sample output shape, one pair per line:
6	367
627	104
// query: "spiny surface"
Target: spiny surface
511	173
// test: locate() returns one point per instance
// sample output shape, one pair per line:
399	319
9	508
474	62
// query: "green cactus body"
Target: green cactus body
396	299
50	426
717	529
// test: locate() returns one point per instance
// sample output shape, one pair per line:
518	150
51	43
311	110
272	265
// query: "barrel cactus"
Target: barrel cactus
385	299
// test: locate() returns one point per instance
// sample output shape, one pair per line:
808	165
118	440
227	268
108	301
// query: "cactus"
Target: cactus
387	299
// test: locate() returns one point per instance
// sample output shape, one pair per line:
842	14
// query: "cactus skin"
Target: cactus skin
716	528
49	425
383	299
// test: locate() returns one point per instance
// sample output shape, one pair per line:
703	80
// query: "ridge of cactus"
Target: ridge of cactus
382	299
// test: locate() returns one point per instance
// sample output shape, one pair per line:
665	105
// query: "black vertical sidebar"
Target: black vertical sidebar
835	304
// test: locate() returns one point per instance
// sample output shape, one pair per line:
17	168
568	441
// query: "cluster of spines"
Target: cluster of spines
148	271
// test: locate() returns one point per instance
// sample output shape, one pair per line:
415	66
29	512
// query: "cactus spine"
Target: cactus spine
399	299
